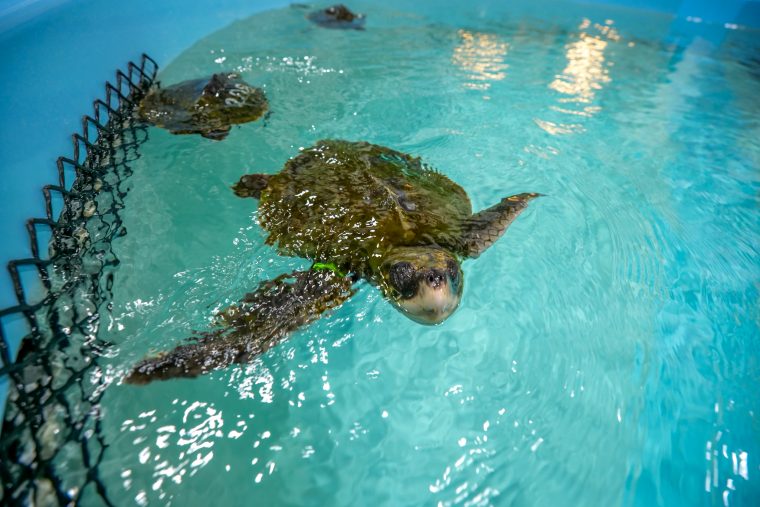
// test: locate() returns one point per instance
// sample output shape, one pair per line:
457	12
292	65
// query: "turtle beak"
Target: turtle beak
436	298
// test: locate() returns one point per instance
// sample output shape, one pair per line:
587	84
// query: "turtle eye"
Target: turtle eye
403	280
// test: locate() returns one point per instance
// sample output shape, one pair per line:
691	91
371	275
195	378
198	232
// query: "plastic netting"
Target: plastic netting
55	382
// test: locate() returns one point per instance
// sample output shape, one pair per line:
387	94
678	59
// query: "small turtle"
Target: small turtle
208	106
357	211
337	16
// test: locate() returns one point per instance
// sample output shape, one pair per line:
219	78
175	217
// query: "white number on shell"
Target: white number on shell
239	93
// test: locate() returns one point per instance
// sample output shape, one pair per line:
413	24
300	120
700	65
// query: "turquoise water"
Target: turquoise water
606	348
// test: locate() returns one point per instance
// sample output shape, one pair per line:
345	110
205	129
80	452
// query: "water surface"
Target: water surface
606	348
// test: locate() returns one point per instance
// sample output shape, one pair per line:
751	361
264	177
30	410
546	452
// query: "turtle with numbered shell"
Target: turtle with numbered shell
207	106
357	211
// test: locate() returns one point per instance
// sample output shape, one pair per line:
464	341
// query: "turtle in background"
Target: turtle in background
337	16
208	106
357	211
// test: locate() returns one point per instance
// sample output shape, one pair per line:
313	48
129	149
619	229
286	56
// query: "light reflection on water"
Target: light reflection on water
584	76
603	350
481	56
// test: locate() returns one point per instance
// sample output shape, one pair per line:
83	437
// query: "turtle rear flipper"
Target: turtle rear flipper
261	320
482	229
251	185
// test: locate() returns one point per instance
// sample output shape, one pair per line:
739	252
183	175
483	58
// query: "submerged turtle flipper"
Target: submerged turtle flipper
261	320
482	229
185	361
251	185
216	134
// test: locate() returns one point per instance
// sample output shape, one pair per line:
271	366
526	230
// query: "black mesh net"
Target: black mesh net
52	415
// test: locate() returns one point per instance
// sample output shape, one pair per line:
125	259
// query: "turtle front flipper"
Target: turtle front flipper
482	229
261	320
251	185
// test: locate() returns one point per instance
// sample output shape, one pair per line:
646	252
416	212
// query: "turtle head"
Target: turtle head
424	283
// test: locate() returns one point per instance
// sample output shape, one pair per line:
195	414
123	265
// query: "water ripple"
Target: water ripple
605	350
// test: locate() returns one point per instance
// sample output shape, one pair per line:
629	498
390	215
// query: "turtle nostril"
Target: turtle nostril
434	279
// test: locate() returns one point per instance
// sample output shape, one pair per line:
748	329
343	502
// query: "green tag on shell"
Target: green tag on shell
328	266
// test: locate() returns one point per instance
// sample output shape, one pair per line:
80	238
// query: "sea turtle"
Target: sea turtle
337	16
357	211
208	106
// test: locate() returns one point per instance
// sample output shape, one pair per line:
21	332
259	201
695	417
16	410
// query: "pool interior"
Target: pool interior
605	351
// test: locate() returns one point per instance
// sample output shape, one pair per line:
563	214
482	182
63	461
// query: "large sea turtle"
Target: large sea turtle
207	106
357	211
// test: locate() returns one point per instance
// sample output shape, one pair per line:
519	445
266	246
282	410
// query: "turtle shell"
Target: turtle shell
208	106
347	202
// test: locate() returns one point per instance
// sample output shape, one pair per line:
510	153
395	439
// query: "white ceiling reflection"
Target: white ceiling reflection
585	74
481	57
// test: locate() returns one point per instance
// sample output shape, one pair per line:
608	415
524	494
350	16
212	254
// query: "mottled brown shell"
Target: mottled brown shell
347	202
208	106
